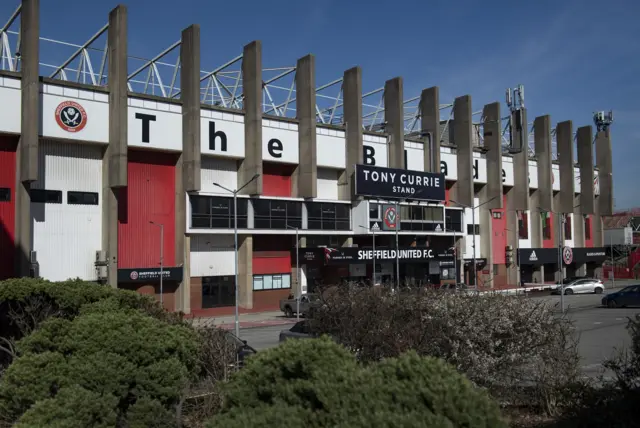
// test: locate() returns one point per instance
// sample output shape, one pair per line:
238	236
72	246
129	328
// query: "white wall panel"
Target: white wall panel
570	242
526	243
555	178
414	155
533	174
479	168
360	217
507	171
218	170
576	179
596	183
280	141
66	237
469	239
327	185
10	105
448	164
212	255
91	106
375	150
165	128
228	134
330	148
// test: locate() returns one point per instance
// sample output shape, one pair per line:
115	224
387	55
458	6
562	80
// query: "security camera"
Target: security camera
18	54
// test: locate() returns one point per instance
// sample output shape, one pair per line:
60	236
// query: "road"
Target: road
601	330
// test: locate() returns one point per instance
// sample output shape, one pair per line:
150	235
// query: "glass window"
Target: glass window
276	214
5	194
258	283
82	198
272	282
218	291
374	211
497	214
454	220
523	225
277	281
418	213
433	213
214	212
327	216
567	228
471	230
46	196
268	282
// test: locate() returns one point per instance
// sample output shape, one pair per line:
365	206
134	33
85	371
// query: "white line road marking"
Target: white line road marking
618	319
597	322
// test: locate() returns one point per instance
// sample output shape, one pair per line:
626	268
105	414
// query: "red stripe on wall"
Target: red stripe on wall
8	209
276	180
150	197
499	228
588	225
551	223
271	262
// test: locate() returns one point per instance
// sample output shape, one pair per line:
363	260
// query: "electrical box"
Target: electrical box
102	273
101	257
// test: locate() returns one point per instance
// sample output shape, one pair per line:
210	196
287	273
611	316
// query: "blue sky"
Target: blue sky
574	57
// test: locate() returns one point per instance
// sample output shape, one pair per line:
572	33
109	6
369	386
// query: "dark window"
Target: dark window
471	229
5	194
325	216
218	291
454	220
567	227
374	211
46	196
546	227
276	214
418	213
215	212
82	198
523	225
497	214
271	282
587	228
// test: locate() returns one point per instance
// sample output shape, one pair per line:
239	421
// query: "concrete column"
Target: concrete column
394	118
245	271
188	177
27	150
578	232
605	168
430	125
520	164
564	137
542	142
114	162
307	171
252	91
462	190
296	285
535	219
585	164
493	145
513	272
597	226
486	230
352	94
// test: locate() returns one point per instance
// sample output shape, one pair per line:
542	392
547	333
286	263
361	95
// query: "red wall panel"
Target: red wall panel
271	262
7	209
276	180
150	196
550	243
588	225
447	192
499	228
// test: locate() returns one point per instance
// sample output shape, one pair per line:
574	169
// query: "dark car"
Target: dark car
628	296
300	330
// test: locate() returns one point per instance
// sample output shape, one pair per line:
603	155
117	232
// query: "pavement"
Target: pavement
247	321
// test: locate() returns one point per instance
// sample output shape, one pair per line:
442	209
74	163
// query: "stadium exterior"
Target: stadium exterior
99	180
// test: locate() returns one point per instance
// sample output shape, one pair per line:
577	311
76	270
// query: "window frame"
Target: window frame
278	222
204	216
83	195
221	282
336	222
45	196
5	194
273	278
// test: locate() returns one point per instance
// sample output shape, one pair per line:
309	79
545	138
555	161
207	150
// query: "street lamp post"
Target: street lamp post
373	230
161	226
299	289
397	249
235	245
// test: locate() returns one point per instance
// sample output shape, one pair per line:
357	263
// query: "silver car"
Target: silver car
580	286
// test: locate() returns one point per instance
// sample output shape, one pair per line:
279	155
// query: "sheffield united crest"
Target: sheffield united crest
71	116
567	255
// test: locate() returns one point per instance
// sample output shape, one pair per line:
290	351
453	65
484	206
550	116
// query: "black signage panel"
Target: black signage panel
537	256
352	255
389	183
589	255
150	274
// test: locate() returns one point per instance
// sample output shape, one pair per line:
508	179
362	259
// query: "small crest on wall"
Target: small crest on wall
71	116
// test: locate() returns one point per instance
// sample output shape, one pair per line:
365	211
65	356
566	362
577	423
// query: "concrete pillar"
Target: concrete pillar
462	190
520	164
564	137
245	271
306	176
188	177
542	142
513	272
352	94
535	219
605	169
114	162
493	145
394	118
486	231
585	164
578	232
252	92
430	125
27	150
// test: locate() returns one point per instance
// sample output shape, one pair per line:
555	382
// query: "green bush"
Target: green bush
317	383
138	365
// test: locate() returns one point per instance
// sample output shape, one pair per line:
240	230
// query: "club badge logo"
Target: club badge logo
133	275
390	217
567	255
71	116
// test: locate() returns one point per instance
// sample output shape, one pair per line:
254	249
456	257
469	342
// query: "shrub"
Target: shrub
503	343
138	365
318	383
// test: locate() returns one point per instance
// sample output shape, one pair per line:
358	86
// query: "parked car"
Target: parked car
628	296
579	286
290	305
242	349
300	330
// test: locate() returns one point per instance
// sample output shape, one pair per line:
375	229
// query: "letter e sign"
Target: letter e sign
274	147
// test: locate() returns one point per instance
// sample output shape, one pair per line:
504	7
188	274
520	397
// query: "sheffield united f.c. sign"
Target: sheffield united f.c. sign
392	183
71	116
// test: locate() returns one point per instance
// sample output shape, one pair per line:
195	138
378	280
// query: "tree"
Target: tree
318	383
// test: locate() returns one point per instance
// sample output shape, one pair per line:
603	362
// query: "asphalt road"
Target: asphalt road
602	331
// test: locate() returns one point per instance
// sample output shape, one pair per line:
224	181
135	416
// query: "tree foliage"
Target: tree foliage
502	343
318	383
